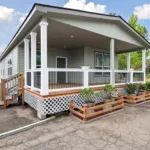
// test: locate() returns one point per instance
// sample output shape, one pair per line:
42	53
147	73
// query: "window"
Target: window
9	67
38	59
102	61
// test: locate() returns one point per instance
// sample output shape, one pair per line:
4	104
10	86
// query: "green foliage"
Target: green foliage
122	61
109	90
133	21
148	85
136	57
148	76
131	88
97	94
141	87
87	93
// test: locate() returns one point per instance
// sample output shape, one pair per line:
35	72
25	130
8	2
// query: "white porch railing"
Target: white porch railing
62	79
122	77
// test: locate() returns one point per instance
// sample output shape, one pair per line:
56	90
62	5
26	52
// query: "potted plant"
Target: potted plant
109	91
141	88
88	94
131	89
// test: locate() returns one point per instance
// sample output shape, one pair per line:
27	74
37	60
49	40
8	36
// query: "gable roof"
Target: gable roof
48	8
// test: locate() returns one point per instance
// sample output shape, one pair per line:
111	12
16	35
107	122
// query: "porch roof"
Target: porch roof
39	10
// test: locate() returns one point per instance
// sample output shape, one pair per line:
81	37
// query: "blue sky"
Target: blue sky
18	9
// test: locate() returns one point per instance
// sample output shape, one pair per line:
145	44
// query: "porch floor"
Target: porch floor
70	85
66	92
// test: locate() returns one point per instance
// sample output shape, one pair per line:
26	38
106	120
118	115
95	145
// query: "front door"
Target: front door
61	76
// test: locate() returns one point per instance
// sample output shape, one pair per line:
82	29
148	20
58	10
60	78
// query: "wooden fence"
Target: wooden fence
133	99
88	113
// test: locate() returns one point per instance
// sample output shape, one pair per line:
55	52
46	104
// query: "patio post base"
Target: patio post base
40	115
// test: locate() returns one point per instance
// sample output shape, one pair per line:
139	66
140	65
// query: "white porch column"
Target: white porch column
128	61
85	76
144	64
33	57
26	60
44	71
112	63
129	75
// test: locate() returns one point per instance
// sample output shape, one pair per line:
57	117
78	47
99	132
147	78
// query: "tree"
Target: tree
136	57
133	21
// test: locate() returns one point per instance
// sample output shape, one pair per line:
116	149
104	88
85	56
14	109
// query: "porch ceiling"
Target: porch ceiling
59	36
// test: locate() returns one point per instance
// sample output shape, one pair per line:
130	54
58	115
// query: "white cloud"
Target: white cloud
142	12
6	14
83	5
22	18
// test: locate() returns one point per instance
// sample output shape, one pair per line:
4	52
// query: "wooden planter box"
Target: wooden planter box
83	114
133	99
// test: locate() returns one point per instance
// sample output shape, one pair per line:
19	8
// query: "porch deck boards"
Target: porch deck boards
70	85
65	92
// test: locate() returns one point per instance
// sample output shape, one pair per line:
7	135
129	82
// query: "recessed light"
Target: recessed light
65	46
71	36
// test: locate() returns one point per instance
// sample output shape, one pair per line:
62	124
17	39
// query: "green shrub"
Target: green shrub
109	90
148	85
141	87
131	88
148	76
87	93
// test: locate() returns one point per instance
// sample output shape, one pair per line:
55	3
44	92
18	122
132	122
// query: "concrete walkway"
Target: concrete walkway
127	130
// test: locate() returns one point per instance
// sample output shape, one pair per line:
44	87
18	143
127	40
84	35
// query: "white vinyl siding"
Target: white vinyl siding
15	60
13	55
21	60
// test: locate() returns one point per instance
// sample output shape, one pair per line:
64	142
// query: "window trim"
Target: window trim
97	67
9	63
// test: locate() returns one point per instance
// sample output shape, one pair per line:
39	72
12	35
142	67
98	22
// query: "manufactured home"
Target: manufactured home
61	51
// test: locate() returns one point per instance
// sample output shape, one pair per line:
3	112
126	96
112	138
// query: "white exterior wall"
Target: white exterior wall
21	60
13	55
15	61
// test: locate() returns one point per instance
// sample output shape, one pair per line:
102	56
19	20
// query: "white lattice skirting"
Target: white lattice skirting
51	105
56	104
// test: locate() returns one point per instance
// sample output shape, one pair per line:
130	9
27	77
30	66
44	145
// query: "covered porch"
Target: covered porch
61	57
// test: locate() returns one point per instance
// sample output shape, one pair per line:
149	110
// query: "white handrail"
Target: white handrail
138	71
37	70
122	71
98	70
76	70
65	69
29	70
